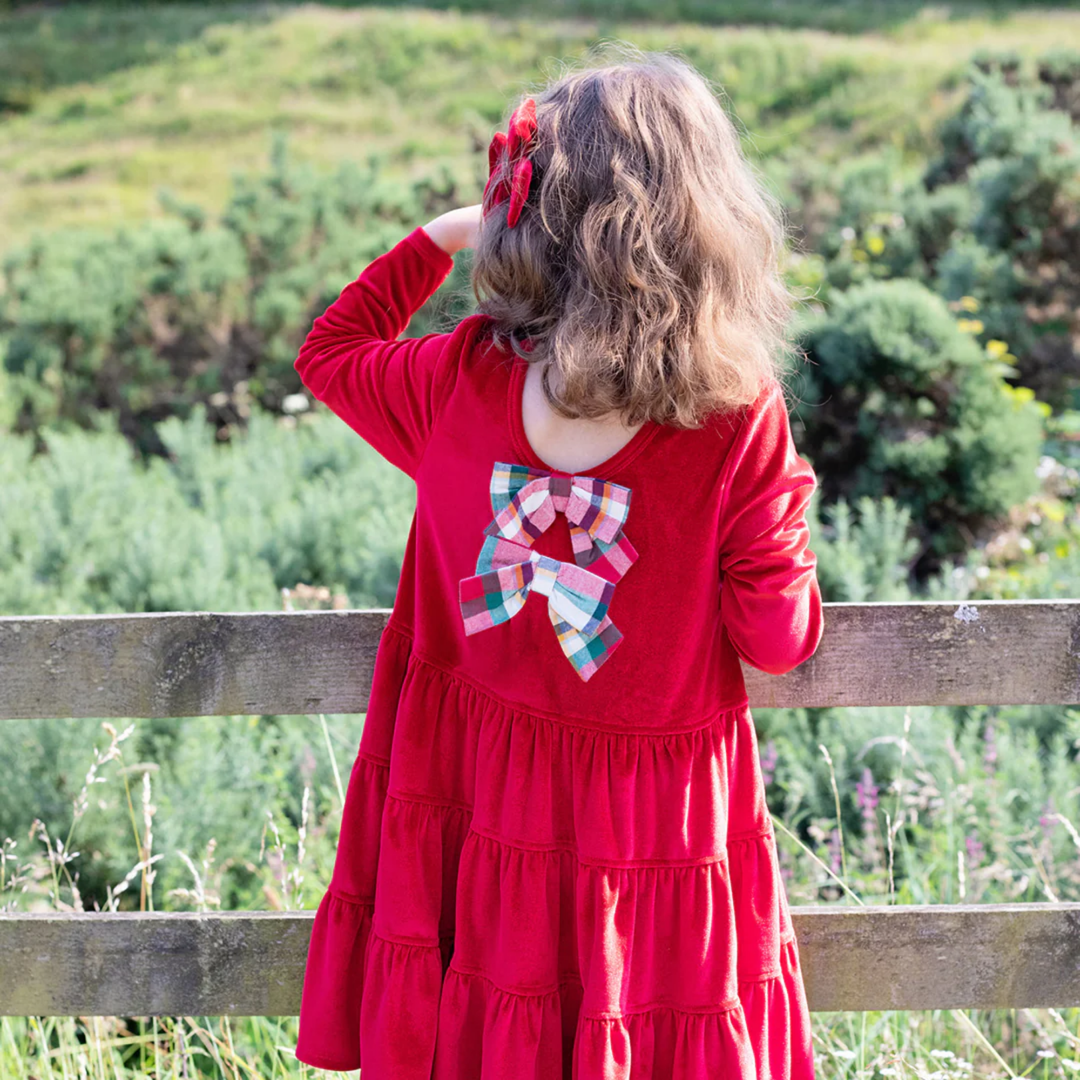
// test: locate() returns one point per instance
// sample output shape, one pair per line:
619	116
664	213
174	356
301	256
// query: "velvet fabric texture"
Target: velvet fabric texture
540	877
510	167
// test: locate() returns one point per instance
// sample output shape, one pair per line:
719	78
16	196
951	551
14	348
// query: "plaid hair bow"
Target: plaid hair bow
525	503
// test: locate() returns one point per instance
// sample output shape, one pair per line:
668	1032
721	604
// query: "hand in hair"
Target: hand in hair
456	229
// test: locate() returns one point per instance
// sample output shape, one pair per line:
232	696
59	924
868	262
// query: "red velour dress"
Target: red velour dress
556	859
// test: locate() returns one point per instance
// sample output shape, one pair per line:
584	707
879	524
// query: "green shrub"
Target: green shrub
864	554
147	322
86	527
1020	158
888	225
992	220
896	400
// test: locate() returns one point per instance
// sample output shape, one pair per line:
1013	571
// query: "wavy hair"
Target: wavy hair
644	271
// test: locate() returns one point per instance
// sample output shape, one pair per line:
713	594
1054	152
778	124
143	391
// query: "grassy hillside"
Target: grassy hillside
839	16
101	106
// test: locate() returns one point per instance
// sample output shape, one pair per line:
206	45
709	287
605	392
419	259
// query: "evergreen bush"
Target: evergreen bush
897	400
146	322
87	527
993	223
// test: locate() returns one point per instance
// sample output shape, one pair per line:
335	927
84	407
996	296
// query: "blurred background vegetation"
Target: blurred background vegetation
184	187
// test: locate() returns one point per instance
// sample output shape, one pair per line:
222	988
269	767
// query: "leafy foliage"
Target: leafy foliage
147	322
866	553
218	527
897	400
992	223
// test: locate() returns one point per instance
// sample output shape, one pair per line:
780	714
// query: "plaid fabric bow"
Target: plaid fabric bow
577	600
510	168
525	502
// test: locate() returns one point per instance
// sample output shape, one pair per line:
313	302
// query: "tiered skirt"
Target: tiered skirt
523	897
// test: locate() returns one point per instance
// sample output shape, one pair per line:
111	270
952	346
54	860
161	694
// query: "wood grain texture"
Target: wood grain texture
160	964
205	664
199	664
986	956
1003	652
252	964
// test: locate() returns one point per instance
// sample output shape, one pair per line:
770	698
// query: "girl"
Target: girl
556	859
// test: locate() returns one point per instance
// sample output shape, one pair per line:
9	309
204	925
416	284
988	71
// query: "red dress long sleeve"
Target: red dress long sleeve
769	599
555	856
386	390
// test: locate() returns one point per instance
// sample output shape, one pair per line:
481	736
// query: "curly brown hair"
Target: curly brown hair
644	270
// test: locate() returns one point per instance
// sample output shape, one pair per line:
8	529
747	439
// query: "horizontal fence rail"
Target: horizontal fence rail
247	964
205	664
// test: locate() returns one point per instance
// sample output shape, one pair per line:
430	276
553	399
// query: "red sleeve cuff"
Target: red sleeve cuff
429	251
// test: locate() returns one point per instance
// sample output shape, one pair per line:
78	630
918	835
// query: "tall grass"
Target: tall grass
42	872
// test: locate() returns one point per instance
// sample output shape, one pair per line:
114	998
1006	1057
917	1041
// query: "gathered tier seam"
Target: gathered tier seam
773	975
574	979
374	759
418	798
411	943
721	715
621	864
409	798
349	898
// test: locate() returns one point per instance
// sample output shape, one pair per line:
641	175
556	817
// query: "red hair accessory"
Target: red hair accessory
509	165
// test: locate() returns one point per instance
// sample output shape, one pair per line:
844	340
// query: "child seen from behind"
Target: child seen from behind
556	859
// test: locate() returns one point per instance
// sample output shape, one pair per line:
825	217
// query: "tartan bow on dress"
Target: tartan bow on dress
525	502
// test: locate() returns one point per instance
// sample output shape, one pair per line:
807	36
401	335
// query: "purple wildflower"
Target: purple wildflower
975	851
834	852
768	760
1048	819
990	754
866	793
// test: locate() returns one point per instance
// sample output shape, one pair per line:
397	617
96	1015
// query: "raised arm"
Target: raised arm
386	390
769	597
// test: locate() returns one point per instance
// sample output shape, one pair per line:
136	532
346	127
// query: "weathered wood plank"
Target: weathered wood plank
1002	653
197	664
986	956
160	964
251	964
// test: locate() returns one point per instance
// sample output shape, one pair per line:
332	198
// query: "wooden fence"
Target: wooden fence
246	963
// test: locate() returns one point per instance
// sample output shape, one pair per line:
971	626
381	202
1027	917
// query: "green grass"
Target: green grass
838	16
106	105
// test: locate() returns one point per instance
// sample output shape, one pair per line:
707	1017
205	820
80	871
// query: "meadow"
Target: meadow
212	174
103	105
